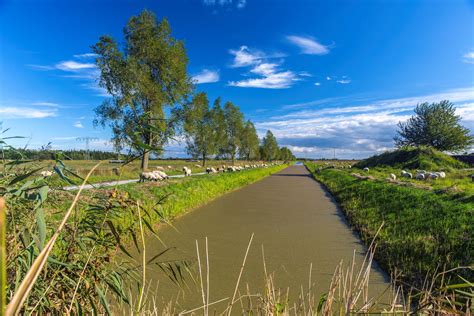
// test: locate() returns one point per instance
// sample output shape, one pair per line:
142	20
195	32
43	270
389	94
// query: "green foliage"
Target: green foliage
421	157
285	154
424	231
249	143
269	150
49	154
435	125
200	128
233	127
147	75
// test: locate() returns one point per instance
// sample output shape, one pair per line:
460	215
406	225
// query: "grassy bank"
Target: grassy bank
424	231
81	274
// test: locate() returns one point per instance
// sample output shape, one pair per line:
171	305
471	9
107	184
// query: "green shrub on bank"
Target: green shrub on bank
413	158
424	232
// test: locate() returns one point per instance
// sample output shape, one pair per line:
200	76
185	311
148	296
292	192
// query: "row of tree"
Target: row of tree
223	132
50	154
150	90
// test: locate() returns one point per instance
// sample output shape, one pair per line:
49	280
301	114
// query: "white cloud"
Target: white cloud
240	4
344	81
305	74
244	56
71	65
85	56
274	80
78	124
271	77
469	57
48	104
317	84
328	78
206	76
356	131
11	112
308	45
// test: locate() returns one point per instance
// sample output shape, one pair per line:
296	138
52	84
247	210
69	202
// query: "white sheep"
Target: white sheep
420	176
366	169
162	174
442	175
210	170
393	177
197	166
146	176
160	168
46	173
187	171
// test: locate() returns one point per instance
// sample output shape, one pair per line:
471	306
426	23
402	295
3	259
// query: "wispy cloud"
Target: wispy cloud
355	130
317	84
84	71
469	57
78	124
47	104
308	45
344	81
13	112
246	57
206	76
85	56
270	74
71	65
240	4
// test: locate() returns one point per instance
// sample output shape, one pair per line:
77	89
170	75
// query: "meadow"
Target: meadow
81	270
108	171
427	225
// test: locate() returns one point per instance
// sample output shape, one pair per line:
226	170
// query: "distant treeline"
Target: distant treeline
469	159
49	154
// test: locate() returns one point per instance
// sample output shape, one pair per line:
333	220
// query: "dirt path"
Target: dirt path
293	219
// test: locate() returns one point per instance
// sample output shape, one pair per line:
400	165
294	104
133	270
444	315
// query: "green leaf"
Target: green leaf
41	223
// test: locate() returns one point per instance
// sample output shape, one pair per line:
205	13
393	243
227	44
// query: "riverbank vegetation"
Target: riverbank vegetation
81	275
426	231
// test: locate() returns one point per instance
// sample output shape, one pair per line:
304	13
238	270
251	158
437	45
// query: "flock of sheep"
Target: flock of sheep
159	174
420	175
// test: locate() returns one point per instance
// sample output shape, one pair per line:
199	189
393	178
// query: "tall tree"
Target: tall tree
145	76
249	142
270	148
285	154
234	121
199	128
218	121
435	125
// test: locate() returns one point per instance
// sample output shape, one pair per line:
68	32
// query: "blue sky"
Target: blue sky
319	74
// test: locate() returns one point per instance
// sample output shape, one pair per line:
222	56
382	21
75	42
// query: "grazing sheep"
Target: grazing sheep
442	175
420	176
162	174
160	168
393	177
46	173
170	167
197	166
433	175
210	170
366	169
146	176
187	171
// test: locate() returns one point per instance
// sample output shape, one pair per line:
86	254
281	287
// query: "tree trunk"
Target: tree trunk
203	160
233	158
145	157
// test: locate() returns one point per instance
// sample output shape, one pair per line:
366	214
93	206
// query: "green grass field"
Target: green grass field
425	231
113	171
